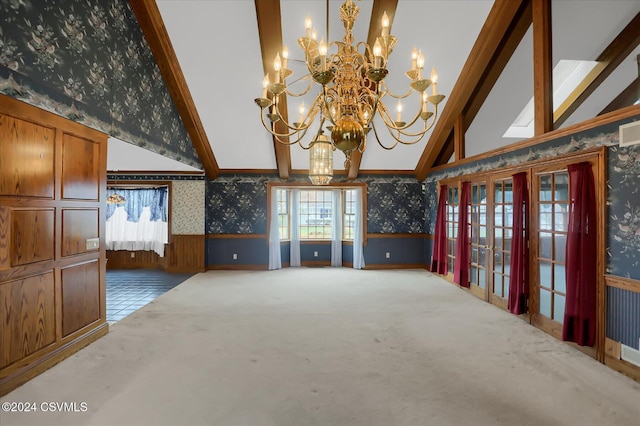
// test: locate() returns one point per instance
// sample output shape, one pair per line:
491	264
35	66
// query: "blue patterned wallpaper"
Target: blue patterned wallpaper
87	60
238	204
623	188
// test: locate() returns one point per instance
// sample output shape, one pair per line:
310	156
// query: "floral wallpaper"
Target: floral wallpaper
237	205
187	206
87	60
623	188
395	205
623	205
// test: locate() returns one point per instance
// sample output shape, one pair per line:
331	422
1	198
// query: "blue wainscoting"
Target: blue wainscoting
252	252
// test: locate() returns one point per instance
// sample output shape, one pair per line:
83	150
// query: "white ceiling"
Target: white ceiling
217	45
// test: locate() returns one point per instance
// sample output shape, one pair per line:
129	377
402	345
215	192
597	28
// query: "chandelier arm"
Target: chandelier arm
284	135
375	133
393	95
305	91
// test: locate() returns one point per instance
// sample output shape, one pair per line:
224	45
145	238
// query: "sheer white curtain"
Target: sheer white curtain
274	234
336	228
294	254
144	234
358	252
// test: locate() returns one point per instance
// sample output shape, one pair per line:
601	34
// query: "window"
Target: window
282	200
348	213
315	213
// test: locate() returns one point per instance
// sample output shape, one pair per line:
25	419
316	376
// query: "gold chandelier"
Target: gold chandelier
352	92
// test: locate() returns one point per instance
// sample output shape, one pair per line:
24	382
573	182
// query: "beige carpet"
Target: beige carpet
327	346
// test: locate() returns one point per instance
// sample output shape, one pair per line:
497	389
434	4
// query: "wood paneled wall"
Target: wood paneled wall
52	283
184	253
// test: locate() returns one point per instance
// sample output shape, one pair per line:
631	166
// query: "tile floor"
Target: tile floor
129	290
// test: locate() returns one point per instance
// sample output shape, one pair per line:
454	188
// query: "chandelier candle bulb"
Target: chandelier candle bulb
385	24
424	101
265	84
377	54
399	109
277	66
434	80
323	55
301	112
307	26
414	58
285	57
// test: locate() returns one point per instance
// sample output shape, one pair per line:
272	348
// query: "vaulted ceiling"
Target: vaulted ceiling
491	61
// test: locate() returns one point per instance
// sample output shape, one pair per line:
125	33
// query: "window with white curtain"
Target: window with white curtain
137	219
315	213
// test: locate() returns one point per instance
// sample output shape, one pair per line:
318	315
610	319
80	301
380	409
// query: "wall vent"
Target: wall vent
630	134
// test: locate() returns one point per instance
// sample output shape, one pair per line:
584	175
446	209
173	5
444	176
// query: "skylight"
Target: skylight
567	75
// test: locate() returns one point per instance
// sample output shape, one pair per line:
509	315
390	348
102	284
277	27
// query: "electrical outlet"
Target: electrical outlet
388	255
235	256
315	254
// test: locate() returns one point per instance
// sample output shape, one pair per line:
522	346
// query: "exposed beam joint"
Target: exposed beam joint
542	67
152	26
608	61
270	33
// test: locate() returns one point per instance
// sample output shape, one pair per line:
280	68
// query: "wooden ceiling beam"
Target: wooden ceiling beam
152	25
495	29
270	33
542	68
375	28
608	61
509	45
627	97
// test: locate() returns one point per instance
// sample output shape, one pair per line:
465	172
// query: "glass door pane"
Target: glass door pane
552	219
478	239
502	235
452	226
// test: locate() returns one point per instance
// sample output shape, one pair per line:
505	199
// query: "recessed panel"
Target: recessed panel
26	158
32	236
80	168
78	226
80	296
28	322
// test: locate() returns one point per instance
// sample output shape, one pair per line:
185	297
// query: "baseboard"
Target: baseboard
623	367
397	266
35	368
237	267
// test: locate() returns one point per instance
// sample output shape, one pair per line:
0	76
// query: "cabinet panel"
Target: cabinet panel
80	296
32	236
80	168
78	225
5	214
26	158
27	323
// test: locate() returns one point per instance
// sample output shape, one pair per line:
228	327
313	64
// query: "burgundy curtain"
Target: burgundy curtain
581	257
439	254
461	268
519	268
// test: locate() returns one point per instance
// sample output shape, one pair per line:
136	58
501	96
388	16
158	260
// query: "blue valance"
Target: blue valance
135	199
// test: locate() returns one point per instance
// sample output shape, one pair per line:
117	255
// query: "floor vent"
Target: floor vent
630	134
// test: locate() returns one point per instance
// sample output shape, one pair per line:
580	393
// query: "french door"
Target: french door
549	226
478	244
